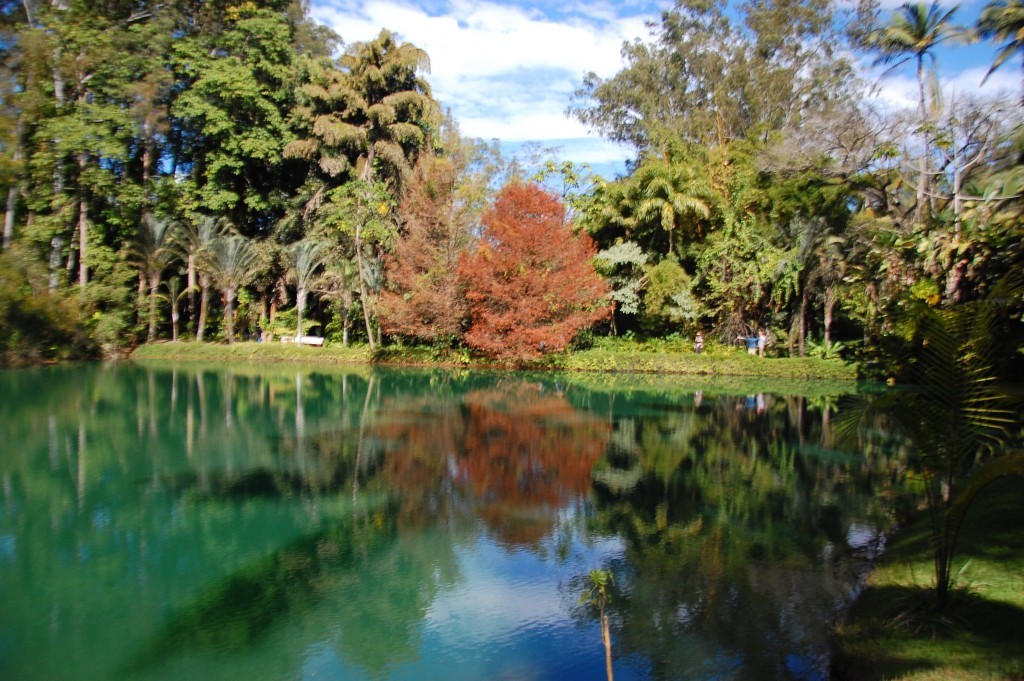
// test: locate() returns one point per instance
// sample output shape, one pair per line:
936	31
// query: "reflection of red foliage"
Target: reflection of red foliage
420	441
531	282
520	453
526	455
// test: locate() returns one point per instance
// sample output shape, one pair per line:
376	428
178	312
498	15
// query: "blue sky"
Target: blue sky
507	68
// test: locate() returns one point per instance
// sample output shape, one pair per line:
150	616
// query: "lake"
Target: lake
162	521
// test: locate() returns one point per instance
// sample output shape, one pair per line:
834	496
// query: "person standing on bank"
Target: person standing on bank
698	343
751	342
762	341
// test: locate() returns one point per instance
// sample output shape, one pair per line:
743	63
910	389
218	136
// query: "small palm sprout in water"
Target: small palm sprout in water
597	595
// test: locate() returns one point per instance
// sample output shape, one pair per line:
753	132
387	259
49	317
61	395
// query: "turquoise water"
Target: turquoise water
188	522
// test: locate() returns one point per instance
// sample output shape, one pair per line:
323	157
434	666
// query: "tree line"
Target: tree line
216	169
771	190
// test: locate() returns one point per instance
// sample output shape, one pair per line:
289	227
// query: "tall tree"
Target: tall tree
708	76
306	258
231	263
531	282
81	143
1004	20
913	32
669	194
154	251
366	117
424	297
237	87
196	242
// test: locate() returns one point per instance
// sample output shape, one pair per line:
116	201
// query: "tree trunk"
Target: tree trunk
362	288
922	183
175	316
12	195
154	284
229	313
300	303
191	283
346	323
831	298
55	245
204	306
271	316
83	229
606	638
264	305
803	321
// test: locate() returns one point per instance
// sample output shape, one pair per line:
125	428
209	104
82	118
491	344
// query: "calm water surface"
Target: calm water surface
181	522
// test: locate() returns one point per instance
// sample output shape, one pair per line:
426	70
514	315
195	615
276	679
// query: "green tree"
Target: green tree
237	87
371	109
596	595
622	266
913	32
154	251
1004	20
231	262
196	242
670	193
363	213
708	76
306	257
957	420
82	139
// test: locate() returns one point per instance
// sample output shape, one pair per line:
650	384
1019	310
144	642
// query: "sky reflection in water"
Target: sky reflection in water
176	522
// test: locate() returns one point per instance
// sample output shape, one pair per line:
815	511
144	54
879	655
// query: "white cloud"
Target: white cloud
900	91
1004	81
508	71
505	71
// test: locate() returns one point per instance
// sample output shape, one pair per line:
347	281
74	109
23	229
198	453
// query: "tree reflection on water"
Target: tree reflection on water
288	510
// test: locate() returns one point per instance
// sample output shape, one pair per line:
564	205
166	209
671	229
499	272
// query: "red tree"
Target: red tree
424	296
531	283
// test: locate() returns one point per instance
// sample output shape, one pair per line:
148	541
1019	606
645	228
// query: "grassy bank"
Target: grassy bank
980	636
665	357
252	352
620	356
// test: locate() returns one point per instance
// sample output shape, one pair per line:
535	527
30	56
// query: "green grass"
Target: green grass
979	636
658	357
677	357
252	352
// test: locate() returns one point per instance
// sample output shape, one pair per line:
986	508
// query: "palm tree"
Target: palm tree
913	33
956	420
1004	20
668	193
371	108
195	243
596	595
306	257
339	286
369	114
231	262
154	251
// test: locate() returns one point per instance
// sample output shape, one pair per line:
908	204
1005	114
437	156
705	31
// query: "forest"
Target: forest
225	170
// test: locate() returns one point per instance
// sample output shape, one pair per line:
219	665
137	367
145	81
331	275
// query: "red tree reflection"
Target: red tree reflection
516	454
527	453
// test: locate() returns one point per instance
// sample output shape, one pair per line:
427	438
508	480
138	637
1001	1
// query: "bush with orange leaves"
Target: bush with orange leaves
530	281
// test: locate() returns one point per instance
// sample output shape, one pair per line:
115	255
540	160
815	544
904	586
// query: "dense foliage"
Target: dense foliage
210	171
530	283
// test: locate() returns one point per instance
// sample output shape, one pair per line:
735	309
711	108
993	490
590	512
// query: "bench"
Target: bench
315	341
